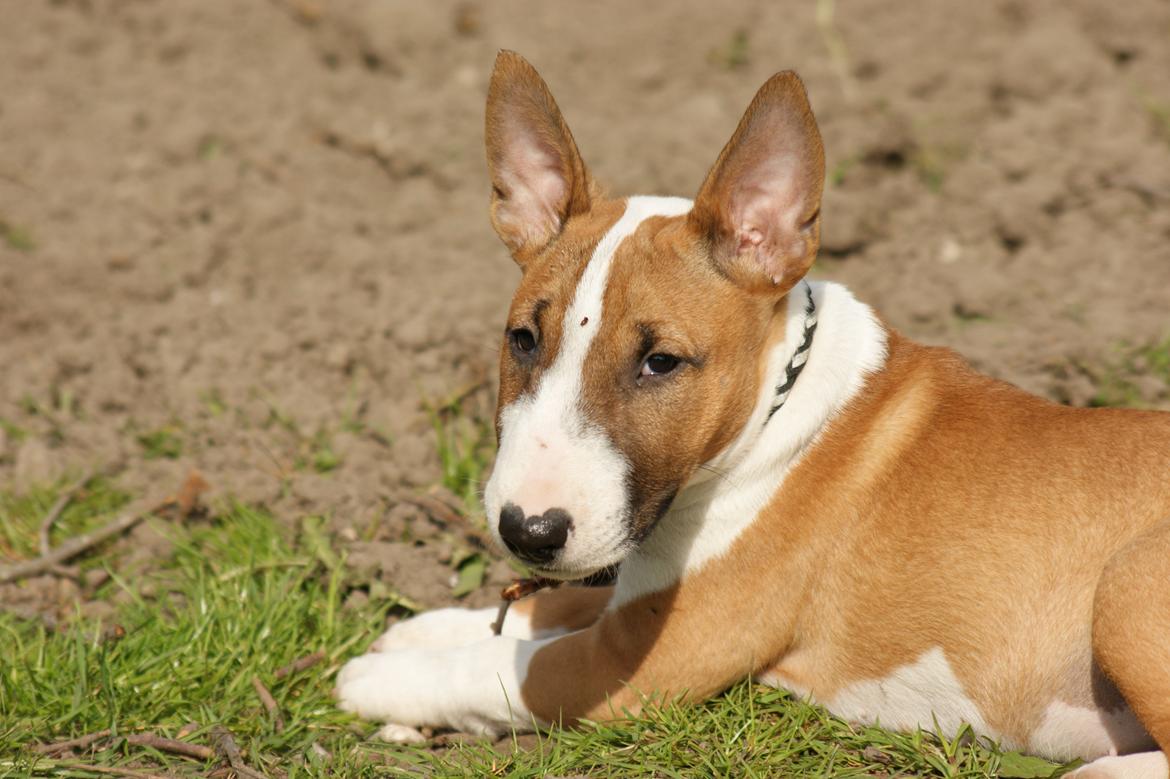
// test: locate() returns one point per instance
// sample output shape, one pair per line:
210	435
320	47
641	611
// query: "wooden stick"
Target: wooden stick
58	507
498	625
519	588
174	746
300	664
225	745
74	743
152	740
111	770
269	703
76	546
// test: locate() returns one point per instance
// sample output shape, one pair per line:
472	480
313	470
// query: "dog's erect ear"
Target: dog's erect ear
759	208
538	178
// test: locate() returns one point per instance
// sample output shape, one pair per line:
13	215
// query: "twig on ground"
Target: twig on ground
58	508
174	746
80	742
111	770
152	740
76	546
300	664
269	703
226	747
188	729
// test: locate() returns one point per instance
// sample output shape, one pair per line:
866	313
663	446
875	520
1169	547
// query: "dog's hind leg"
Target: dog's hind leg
1131	643
546	614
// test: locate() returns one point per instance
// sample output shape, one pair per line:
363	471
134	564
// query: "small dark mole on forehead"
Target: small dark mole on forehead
584	321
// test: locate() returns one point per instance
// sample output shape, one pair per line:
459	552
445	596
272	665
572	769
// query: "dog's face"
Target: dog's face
633	351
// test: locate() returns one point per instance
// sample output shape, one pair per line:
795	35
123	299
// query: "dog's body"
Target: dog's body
793	490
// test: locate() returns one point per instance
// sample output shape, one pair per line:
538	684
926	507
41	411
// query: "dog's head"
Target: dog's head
633	351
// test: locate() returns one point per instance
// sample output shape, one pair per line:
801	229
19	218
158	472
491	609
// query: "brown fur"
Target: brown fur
940	508
522	117
963	525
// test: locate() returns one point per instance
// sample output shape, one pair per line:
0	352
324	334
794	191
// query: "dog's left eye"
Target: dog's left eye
659	365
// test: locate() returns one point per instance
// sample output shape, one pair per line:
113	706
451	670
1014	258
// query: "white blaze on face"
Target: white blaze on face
551	456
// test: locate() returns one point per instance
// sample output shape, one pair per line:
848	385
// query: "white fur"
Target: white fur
400	734
916	695
550	456
1068	732
711	511
446	628
1147	765
473	688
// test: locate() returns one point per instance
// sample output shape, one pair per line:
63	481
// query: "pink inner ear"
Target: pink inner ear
767	206
535	188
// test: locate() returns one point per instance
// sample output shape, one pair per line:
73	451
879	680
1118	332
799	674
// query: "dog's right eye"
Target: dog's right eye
523	340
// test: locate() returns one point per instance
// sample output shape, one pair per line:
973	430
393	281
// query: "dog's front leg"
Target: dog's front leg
651	646
475	688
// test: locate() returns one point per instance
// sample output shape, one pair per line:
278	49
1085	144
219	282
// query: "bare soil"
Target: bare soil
251	238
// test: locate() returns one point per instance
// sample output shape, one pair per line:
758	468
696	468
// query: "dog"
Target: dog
793	490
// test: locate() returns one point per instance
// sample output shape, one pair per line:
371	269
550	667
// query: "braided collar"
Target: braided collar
799	358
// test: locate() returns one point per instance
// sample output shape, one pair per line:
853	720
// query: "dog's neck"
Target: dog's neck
730	491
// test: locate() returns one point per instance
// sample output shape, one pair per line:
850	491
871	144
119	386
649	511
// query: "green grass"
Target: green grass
240	596
748	731
16	237
20	517
1116	381
734	54
466	446
163	443
238	600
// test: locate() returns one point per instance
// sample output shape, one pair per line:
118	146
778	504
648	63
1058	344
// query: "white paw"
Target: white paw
475	689
382	686
1145	765
400	734
438	629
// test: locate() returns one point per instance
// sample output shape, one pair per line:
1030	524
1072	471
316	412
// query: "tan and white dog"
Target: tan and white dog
793	490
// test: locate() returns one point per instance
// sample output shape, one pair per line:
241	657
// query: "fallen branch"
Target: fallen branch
269	703
174	746
76	546
80	742
300	664
111	770
152	740
58	507
226	747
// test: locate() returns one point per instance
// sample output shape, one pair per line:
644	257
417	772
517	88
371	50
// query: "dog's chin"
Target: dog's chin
571	571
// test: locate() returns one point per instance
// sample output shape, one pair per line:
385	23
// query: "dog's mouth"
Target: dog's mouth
598	577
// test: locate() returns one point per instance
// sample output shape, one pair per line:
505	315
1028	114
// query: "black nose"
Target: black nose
536	538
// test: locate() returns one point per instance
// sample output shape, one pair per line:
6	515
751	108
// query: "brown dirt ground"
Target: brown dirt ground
262	226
